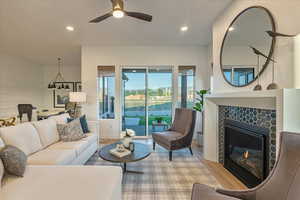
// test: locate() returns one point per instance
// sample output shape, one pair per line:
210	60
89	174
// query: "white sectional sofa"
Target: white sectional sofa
49	174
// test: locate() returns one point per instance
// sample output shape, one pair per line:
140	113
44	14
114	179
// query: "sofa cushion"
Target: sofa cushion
78	146
47	131
61	119
90	138
14	160
52	157
24	136
64	183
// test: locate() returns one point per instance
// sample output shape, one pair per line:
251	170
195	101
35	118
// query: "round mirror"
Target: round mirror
240	63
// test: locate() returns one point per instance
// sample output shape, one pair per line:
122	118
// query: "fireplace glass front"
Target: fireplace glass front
246	152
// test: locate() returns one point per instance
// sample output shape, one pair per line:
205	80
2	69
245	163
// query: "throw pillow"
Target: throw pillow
1	172
71	131
83	122
14	160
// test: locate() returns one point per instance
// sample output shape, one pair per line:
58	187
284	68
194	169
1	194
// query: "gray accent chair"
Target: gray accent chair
180	135
283	183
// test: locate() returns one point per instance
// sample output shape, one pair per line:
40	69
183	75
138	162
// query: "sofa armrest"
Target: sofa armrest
94	128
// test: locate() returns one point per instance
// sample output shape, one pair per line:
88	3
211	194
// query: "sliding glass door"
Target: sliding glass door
159	98
134	100
147	99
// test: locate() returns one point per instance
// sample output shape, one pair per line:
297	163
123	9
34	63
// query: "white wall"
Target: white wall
21	82
92	56
297	61
286	15
71	73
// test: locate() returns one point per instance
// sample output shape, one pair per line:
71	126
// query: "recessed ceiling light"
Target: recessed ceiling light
184	28
70	28
231	28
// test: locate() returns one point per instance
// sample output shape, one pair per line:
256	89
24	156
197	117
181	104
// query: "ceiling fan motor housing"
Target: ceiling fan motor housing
118	5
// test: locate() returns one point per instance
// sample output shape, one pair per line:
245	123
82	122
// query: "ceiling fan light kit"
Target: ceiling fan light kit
119	12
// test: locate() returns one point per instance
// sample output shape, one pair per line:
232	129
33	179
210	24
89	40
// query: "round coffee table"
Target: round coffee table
141	151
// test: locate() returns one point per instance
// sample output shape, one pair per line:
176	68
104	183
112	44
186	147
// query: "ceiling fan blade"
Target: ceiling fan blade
101	18
140	16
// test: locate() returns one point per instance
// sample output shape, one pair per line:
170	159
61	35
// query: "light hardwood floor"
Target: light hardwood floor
223	176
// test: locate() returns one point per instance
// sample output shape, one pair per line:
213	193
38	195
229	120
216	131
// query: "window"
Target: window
106	92
243	76
186	86
239	76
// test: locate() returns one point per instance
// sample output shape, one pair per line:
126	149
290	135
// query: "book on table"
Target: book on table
118	154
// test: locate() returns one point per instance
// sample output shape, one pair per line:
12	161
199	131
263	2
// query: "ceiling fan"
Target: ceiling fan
119	12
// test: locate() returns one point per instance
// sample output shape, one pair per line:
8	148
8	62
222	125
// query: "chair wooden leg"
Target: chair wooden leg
170	155
153	146
191	150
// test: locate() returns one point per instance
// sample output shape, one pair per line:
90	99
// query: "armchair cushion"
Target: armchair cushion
203	192
167	138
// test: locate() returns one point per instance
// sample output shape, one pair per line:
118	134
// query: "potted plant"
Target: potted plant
199	106
159	119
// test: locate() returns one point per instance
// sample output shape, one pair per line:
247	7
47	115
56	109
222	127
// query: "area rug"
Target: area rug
163	180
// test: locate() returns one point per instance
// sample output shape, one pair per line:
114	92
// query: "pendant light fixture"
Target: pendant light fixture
273	34
258	86
57	82
273	85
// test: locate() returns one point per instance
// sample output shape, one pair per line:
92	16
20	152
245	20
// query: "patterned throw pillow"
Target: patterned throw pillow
71	131
14	160
83	122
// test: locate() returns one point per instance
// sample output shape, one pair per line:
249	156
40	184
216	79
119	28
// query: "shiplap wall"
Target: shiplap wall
20	82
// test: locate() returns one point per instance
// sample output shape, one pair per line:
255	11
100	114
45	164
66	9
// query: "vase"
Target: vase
126	141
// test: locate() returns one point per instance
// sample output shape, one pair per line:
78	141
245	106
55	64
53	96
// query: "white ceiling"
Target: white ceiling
35	29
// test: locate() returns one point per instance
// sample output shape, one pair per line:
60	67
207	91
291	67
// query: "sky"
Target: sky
155	81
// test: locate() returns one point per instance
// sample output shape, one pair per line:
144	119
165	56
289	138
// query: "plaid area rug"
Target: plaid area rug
163	180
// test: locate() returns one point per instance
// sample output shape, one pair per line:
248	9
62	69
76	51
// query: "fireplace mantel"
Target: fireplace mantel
286	102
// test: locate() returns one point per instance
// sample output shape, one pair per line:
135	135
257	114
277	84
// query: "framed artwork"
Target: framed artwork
78	87
61	96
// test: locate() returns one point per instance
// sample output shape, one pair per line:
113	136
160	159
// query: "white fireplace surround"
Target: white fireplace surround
286	102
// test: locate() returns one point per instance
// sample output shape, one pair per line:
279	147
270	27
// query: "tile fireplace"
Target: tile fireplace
274	110
246	152
247	142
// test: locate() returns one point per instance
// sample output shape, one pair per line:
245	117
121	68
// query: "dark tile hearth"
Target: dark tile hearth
252	116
